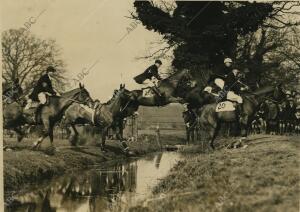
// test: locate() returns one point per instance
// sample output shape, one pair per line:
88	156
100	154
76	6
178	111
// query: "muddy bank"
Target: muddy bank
262	177
23	166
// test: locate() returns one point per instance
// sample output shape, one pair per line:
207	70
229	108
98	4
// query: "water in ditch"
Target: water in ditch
113	188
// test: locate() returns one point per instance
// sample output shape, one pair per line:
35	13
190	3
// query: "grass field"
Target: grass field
262	177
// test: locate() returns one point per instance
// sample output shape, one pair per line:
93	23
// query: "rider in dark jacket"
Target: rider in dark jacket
151	71
44	84
150	74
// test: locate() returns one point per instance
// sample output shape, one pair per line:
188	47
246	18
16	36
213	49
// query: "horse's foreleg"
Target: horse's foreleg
119	134
73	138
244	126
103	137
45	133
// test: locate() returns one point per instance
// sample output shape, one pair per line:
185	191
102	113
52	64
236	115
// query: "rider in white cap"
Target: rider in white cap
228	66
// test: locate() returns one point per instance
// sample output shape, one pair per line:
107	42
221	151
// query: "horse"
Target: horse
169	89
210	120
14	119
103	117
51	113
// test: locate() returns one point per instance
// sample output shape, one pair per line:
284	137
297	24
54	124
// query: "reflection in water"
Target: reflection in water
114	188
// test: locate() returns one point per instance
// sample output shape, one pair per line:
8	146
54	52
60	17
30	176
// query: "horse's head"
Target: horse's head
124	96
83	96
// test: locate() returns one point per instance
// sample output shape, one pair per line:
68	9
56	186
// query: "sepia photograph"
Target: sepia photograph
158	105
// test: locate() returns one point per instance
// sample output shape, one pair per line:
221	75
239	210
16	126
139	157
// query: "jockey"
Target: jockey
234	86
150	77
216	85
42	87
228	66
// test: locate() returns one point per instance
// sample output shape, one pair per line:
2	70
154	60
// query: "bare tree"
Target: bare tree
272	52
26	57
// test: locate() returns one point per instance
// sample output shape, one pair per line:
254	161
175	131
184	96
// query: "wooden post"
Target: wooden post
158	136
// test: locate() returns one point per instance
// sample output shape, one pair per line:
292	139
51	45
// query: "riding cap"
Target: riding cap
228	60
50	69
158	62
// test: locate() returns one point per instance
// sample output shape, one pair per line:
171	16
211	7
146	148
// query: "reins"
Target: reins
125	106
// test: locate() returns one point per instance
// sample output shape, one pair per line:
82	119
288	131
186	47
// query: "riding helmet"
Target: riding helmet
158	62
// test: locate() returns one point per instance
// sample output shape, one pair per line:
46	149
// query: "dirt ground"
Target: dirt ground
23	166
264	176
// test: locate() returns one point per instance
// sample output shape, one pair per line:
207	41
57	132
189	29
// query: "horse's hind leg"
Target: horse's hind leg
20	134
213	134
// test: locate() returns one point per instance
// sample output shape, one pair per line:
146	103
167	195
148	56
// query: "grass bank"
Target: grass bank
262	177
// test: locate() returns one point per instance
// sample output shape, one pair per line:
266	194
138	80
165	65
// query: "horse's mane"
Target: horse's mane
110	101
174	75
70	91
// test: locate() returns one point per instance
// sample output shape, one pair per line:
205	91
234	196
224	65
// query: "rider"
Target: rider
150	77
234	87
227	66
216	84
42	88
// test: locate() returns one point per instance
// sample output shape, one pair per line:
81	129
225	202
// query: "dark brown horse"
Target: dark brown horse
210	120
53	112
168	88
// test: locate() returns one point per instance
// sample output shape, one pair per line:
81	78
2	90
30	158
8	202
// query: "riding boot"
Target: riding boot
37	114
161	96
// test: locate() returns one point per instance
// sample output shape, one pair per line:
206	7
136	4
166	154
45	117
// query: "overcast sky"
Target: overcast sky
88	31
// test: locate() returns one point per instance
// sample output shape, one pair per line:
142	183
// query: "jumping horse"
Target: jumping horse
52	113
103	117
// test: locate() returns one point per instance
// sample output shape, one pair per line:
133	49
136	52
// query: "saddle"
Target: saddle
148	92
